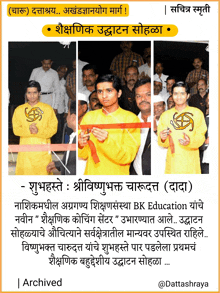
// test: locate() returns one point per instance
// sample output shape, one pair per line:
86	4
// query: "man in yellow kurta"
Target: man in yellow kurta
116	148
182	130
35	123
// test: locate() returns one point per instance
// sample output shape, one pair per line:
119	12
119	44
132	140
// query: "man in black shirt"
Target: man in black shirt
127	99
199	100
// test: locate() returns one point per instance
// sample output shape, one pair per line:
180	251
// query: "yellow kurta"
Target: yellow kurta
190	121
119	149
34	163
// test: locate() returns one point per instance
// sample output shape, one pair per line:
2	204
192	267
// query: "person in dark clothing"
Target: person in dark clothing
199	100
127	99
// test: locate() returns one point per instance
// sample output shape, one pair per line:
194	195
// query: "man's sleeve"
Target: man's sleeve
56	86
18	126
58	165
161	126
49	128
84	152
188	78
66	101
198	136
125	152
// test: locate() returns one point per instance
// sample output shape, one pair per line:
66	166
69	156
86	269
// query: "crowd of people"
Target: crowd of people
112	109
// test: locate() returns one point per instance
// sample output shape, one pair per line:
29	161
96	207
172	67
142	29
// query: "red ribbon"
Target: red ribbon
116	125
15	148
110	126
93	151
172	147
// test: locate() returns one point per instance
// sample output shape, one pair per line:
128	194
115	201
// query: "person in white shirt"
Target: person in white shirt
49	82
159	74
142	162
157	86
81	64
145	69
89	76
169	83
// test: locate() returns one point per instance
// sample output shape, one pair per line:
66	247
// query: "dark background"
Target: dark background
177	57
25	56
101	53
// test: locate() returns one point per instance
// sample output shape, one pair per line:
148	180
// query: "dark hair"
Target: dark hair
131	66
181	84
158	62
82	102
204	79
116	82
171	77
33	83
90	67
126	42
198	58
72	107
46	58
141	82
91	94
62	66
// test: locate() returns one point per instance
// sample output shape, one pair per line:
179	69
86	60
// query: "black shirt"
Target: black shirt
127	100
198	102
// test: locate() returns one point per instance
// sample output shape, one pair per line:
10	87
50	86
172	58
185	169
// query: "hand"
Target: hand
207	141
184	141
33	128
55	111
51	167
83	139
164	134
100	134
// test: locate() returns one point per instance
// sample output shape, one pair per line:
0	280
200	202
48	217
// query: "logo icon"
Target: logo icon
182	121
34	114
